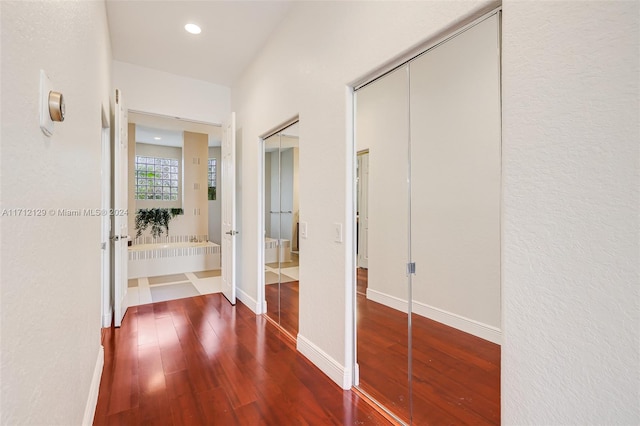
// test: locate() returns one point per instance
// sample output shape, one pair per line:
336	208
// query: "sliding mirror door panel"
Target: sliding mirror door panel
272	226
455	241
281	251
289	241
382	126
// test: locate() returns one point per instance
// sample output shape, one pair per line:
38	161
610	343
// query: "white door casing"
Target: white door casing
229	232
105	224
120	231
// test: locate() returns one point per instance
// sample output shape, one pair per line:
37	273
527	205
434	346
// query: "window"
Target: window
156	178
211	178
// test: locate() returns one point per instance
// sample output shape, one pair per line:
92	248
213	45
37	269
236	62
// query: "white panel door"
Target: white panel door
228	195
120	229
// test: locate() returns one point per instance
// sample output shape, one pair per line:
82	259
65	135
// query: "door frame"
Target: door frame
261	297
120	229
106	310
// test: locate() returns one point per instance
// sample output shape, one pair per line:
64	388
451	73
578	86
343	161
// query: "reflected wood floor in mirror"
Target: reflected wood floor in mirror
287	313
201	361
456	376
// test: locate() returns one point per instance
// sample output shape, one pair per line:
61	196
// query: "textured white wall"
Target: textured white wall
159	92
304	69
571	290
50	279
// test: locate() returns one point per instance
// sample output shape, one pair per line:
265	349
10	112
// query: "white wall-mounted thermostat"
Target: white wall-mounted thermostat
51	105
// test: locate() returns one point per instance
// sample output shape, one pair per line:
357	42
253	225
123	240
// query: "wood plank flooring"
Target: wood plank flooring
456	376
201	361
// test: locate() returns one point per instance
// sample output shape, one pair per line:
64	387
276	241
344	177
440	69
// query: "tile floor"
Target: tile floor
170	287
189	284
289	271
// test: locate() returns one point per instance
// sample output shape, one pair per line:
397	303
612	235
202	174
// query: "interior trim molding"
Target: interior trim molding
338	373
107	318
94	389
252	303
478	329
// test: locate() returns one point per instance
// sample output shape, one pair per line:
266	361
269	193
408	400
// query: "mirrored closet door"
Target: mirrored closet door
428	296
281	243
382	110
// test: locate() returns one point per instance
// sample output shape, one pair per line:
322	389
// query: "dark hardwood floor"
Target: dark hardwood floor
201	361
456	376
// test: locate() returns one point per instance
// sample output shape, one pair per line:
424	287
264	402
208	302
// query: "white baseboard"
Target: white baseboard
387	300
478	329
252	303
92	400
329	366
106	319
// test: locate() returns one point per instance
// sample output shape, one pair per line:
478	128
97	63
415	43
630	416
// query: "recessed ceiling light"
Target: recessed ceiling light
192	28
157	138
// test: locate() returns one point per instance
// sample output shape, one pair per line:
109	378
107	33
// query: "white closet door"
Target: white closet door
455	174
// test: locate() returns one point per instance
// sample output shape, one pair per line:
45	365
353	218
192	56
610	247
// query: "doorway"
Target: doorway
281	246
174	166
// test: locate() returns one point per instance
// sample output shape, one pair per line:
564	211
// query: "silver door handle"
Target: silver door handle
232	232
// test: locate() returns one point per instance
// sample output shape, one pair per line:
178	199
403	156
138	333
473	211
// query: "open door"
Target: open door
228	195
120	229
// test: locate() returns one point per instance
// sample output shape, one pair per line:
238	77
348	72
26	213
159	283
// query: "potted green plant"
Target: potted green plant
157	218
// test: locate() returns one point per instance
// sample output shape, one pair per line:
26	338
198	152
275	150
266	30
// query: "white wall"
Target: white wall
50	279
570	218
306	68
571	285
158	92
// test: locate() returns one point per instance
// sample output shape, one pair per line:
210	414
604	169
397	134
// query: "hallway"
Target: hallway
201	361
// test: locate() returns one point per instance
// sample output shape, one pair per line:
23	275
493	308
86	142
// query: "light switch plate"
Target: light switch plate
337	230
303	229
46	123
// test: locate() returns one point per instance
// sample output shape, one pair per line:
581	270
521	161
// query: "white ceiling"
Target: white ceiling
151	34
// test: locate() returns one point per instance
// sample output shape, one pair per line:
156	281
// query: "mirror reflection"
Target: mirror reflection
428	220
281	223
